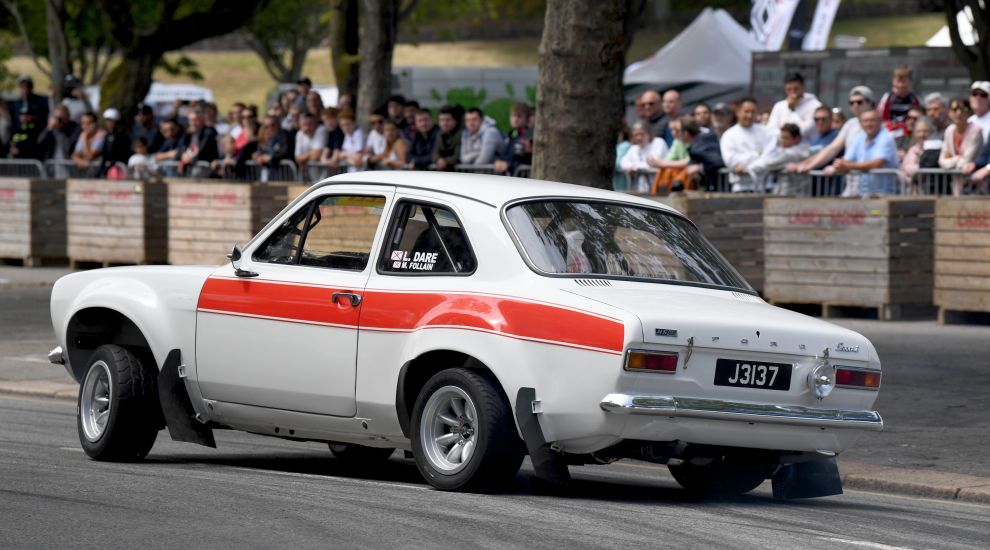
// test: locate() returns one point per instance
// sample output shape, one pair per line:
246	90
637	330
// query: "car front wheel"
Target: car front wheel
463	435
118	415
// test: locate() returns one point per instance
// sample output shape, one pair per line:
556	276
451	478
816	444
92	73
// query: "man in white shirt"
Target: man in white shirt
979	100
797	107
311	139
744	143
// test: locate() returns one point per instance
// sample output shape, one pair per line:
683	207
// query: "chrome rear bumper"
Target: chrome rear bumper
715	409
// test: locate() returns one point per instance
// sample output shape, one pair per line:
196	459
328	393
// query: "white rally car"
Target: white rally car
472	320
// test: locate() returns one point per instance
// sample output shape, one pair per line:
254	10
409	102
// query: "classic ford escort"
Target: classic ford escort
471	320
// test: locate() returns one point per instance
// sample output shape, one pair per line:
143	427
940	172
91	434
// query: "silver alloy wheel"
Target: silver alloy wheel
449	429
94	407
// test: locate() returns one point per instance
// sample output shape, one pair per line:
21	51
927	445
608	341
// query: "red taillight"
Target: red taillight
659	362
856	378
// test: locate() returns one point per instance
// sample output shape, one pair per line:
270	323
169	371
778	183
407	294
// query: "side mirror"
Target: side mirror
235	260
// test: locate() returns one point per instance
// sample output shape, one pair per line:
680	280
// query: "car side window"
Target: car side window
283	246
335	232
427	240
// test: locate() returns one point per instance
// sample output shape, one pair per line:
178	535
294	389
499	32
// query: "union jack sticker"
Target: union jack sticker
397	255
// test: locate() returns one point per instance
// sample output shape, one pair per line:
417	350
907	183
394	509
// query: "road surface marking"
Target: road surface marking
865	544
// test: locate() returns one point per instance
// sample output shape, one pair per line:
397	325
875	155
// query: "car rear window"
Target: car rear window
564	237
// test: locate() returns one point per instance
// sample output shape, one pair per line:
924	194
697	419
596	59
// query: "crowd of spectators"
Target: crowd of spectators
194	140
885	143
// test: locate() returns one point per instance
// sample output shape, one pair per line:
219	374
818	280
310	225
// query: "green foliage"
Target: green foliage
6	50
181	66
459	13
284	32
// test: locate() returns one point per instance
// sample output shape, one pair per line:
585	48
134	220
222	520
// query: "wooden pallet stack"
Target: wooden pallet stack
962	256
32	221
207	218
116	222
862	253
734	225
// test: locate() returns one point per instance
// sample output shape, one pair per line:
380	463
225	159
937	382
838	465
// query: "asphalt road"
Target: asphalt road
934	400
256	492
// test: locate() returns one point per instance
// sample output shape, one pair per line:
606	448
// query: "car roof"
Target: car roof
487	188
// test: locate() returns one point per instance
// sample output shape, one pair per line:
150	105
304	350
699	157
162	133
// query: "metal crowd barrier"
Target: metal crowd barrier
22	168
475	168
64	169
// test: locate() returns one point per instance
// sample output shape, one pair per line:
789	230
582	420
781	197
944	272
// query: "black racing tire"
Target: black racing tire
126	390
724	476
496	451
352	455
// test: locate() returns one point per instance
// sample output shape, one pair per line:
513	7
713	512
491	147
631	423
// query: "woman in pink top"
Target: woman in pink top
962	141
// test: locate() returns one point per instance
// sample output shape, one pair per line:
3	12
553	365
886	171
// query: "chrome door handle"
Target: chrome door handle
354	299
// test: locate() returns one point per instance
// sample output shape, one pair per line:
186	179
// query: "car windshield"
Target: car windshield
619	240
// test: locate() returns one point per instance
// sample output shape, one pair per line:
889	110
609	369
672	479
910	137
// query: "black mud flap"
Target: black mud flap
549	464
176	406
815	478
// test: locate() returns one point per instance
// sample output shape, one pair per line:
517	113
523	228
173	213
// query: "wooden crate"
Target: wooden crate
732	222
117	222
870	253
293	190
962	255
206	218
32	220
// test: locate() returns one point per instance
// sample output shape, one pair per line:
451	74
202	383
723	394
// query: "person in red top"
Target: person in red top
895	104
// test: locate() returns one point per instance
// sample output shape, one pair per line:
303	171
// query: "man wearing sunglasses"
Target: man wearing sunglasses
860	101
979	100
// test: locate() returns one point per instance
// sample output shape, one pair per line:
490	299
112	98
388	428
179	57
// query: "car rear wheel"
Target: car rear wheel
118	415
359	455
463	434
724	476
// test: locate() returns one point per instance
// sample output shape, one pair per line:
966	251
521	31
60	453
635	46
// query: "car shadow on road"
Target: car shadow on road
605	487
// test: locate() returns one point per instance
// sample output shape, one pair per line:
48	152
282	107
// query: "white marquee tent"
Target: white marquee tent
710	59
964	19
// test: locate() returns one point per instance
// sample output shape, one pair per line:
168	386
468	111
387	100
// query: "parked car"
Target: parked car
471	320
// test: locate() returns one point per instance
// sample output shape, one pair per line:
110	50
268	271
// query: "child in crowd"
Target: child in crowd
140	165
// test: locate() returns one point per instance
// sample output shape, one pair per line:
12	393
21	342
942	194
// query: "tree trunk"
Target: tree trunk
58	45
344	43
127	84
976	58
381	22
579	103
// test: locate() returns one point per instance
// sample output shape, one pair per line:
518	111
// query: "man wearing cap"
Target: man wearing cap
979	100
24	140
797	107
723	118
116	145
860	101
38	104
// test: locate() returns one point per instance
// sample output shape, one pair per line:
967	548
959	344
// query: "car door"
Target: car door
283	334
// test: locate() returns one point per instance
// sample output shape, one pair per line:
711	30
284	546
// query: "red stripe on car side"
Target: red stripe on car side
407	311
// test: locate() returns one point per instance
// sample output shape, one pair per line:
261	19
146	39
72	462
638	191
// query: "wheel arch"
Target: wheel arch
91	327
415	373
